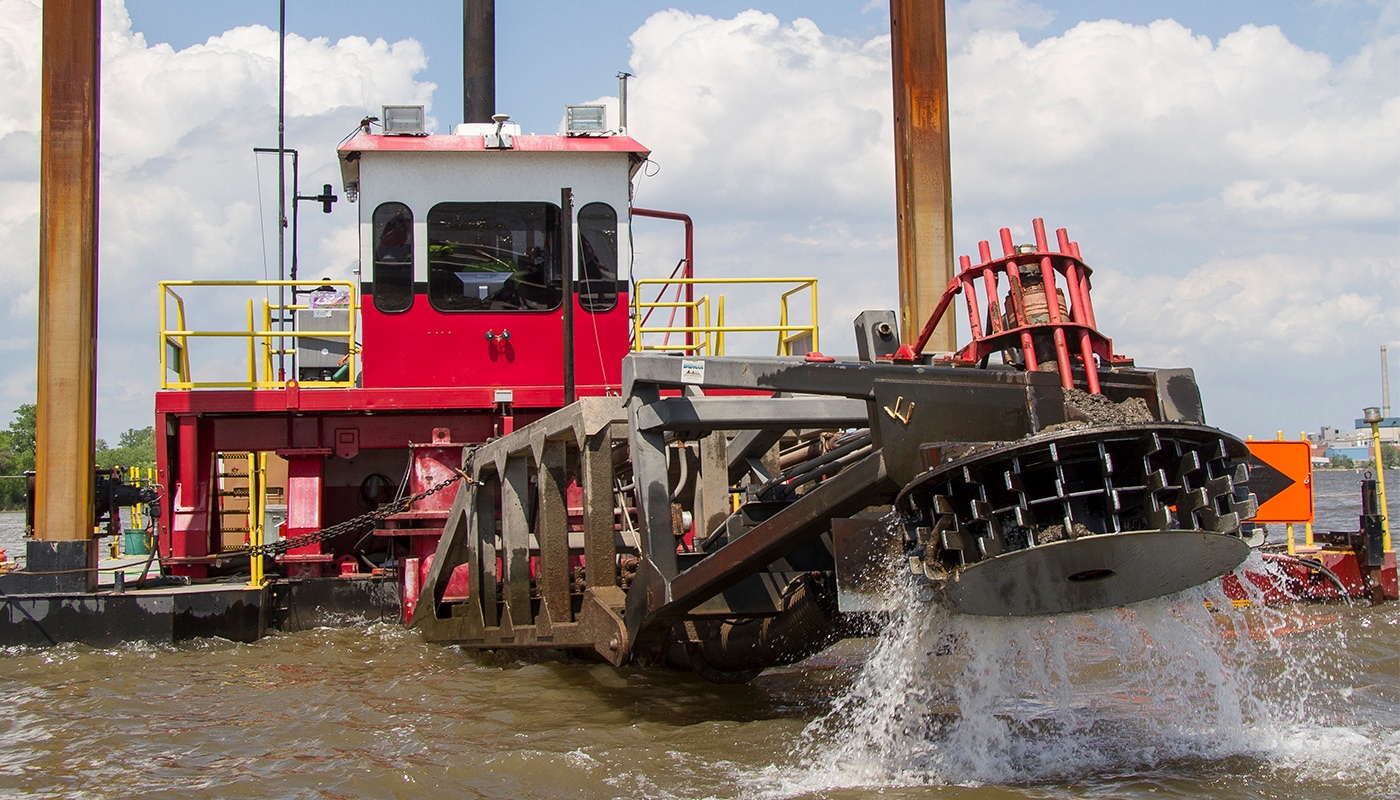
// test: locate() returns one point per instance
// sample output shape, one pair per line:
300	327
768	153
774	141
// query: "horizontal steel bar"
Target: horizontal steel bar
743	413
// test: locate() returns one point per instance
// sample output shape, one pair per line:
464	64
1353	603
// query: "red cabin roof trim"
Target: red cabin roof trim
451	143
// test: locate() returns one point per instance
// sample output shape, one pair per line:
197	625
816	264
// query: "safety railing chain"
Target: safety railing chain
357	523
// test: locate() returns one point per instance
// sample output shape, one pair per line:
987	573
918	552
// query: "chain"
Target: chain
364	520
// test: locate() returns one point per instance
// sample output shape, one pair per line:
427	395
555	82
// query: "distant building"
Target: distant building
1357	454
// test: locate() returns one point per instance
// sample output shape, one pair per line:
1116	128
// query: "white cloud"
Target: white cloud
1296	202
180	186
1257	307
1239	197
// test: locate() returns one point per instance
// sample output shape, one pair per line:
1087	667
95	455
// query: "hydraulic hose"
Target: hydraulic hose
1315	566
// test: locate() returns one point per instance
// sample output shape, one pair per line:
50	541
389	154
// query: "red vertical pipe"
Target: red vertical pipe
1052	305
974	316
1086	286
1075	286
1041	242
989	286
1018	310
1086	354
1018	307
689	261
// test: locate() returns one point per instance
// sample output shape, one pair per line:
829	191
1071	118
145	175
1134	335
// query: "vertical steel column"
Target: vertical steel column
652	476
478	60
599	511
515	536
712	495
482	534
923	182
552	532
67	356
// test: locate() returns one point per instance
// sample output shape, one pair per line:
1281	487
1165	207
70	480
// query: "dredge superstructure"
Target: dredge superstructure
487	437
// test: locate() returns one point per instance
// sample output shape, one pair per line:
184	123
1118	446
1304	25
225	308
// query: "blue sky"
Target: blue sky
1235	185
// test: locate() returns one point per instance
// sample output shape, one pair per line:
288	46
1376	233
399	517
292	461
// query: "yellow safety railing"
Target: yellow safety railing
704	335
264	342
136	476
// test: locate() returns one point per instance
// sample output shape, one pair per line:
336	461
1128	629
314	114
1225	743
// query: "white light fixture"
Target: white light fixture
403	120
585	120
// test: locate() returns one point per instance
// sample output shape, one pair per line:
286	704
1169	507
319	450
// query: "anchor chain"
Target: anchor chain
355	523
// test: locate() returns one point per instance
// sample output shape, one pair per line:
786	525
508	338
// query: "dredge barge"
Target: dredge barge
488	438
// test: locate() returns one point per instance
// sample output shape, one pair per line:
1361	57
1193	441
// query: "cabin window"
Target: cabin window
597	236
393	257
494	257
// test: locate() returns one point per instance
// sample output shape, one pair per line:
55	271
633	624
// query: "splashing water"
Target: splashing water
1167	687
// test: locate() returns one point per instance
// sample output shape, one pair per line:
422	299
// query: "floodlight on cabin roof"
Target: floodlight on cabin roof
585	120
404	120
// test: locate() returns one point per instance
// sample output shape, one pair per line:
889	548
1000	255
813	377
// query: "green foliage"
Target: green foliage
17	455
135	448
1343	462
1390	455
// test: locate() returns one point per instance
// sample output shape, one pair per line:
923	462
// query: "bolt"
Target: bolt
614	644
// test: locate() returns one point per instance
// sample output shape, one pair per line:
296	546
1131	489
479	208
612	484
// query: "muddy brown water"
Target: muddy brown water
1162	700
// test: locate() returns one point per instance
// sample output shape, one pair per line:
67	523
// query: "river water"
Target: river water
1161	700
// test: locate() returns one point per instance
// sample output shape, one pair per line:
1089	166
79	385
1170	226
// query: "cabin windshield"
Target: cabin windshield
494	257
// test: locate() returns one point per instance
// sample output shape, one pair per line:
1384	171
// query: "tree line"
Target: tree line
1390	457
136	447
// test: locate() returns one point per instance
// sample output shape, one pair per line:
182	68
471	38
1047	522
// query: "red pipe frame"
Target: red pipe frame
1080	327
689	262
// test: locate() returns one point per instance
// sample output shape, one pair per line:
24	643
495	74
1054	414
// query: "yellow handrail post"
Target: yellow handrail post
1380	483
266	342
1308	529
184	366
252	345
1292	545
164	369
256	468
784	345
719	327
